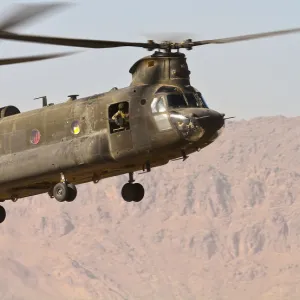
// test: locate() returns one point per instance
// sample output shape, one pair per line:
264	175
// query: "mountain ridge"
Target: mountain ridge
224	224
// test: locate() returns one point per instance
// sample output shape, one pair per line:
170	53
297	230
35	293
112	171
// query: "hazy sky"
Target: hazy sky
246	79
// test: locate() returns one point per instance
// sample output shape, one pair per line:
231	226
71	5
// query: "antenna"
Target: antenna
44	100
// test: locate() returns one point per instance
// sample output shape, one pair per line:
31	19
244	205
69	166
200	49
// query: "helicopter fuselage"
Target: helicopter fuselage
79	138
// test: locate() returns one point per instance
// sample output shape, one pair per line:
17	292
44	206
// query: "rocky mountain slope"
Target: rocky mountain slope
224	224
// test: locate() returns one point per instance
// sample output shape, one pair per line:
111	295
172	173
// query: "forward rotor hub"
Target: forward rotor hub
169	45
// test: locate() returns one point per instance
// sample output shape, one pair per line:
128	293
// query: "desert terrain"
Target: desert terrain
224	224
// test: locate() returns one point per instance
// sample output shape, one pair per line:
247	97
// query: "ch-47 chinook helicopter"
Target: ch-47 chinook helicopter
163	117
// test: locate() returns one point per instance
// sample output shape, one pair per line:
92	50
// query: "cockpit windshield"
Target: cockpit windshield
186	100
192	100
176	101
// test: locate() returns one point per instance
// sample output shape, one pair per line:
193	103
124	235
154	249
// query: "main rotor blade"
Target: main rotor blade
246	37
24	59
150	45
25	13
73	42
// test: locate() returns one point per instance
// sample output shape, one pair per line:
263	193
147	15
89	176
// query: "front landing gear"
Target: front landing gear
132	191
64	191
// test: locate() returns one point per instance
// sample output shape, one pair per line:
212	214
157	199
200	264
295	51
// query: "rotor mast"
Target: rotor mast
161	68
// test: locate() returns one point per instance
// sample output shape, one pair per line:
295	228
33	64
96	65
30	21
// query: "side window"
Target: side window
202	101
118	115
158	105
159	110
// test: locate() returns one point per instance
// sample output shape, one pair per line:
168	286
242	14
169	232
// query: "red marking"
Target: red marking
35	137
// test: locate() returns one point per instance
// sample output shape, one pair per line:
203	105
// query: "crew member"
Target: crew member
121	117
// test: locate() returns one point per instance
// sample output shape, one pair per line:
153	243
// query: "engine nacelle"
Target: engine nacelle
8	111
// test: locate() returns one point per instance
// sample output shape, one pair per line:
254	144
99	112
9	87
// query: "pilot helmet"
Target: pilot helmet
121	106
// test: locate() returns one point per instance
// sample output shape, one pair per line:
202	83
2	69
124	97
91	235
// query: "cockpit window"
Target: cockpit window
201	99
161	105
158	105
192	100
176	101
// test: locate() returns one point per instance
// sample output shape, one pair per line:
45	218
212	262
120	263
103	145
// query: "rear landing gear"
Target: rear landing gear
132	191
63	191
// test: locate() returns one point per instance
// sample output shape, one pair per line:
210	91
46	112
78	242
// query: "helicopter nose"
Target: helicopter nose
218	121
212	121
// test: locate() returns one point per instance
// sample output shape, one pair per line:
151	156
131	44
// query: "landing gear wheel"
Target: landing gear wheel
72	192
139	192
2	214
61	192
127	192
133	192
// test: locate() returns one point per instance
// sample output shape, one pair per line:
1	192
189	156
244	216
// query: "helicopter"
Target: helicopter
159	117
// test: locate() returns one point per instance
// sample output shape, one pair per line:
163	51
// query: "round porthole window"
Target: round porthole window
75	127
35	137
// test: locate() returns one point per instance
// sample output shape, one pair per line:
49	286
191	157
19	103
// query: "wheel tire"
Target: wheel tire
61	192
2	214
128	192
139	192
72	192
133	192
